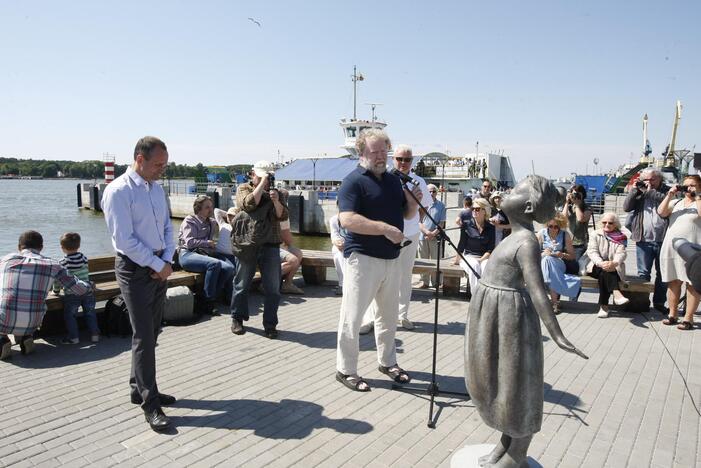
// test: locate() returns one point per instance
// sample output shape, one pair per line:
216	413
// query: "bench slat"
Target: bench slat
108	289
316	258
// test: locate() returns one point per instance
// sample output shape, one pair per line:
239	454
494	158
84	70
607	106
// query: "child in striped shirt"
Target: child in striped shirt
77	264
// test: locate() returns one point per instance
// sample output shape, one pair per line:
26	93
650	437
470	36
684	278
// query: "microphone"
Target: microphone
407	179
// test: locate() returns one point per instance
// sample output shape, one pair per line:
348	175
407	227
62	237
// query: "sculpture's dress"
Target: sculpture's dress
503	345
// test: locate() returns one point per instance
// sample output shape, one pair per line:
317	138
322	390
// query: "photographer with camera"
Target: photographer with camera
260	194
648	228
684	223
578	215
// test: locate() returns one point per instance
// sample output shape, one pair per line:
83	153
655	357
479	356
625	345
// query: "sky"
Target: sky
554	84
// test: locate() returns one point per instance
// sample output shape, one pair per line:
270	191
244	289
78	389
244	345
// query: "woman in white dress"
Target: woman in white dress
684	223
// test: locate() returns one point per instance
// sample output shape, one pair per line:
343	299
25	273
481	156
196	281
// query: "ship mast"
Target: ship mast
355	77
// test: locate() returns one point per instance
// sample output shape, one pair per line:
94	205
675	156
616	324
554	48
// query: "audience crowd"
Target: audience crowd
383	224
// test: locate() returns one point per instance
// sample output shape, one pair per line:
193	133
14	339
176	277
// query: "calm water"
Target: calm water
50	207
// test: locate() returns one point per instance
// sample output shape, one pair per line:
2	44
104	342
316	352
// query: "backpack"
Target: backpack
250	230
116	318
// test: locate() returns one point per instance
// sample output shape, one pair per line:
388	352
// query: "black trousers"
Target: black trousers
145	300
608	282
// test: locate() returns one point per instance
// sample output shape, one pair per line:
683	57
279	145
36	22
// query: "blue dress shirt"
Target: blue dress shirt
138	219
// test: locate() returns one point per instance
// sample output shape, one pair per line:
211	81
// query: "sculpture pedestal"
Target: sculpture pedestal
467	456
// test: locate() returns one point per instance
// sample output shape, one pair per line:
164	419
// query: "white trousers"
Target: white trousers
366	279
406	264
339	262
428	248
475	263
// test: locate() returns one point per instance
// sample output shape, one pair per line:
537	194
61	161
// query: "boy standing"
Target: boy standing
77	264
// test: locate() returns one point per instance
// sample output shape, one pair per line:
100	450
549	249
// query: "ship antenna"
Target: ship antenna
373	105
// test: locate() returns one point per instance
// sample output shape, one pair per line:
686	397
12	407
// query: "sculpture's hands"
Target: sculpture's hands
565	344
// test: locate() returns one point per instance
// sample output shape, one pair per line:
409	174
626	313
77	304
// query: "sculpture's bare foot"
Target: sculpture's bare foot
499	450
516	455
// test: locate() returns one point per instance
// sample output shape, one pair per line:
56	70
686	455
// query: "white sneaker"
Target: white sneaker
365	328
406	324
622	300
602	313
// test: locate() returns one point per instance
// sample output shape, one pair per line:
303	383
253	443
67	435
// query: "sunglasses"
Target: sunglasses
553	226
608	222
404	160
476	208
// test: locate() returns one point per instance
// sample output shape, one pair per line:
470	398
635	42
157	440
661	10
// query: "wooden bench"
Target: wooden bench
105	287
635	289
315	263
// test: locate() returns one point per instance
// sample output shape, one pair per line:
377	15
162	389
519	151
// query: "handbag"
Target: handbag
571	267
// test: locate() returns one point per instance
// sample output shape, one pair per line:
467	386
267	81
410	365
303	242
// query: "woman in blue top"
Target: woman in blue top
556	247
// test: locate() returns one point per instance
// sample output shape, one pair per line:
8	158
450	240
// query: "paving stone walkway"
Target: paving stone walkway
250	401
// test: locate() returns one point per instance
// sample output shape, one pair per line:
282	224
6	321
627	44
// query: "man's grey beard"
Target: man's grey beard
374	169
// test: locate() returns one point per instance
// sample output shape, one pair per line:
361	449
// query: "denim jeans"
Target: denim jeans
267	258
71	302
218	272
648	253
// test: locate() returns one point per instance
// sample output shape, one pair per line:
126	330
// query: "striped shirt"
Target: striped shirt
77	264
25	280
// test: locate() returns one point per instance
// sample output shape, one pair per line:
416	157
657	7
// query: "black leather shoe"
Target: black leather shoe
271	333
237	327
165	400
157	420
26	344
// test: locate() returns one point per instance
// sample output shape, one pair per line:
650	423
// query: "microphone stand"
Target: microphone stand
432	388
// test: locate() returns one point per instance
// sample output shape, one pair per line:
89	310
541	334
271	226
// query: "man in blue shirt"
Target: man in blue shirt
428	240
138	219
372	206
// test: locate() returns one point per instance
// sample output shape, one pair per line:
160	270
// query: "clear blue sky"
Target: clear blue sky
553	82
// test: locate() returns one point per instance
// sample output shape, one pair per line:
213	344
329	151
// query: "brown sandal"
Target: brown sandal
397	374
670	320
353	382
685	325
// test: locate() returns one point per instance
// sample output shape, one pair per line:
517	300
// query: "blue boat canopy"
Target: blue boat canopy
327	169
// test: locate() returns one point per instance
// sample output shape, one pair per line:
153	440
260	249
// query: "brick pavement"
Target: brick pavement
249	401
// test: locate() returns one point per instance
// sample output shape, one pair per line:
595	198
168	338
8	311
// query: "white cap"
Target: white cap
263	167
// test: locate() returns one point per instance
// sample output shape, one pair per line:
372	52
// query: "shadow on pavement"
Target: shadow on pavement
48	353
286	419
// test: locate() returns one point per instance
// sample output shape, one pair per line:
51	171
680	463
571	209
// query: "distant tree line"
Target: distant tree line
96	169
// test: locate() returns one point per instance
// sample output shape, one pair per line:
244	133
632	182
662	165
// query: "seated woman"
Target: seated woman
196	248
556	247
607	256
479	240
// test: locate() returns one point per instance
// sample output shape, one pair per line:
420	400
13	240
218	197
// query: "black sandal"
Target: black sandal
670	320
352	382
685	325
396	373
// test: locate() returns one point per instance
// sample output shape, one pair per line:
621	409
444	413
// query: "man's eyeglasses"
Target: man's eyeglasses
404	160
